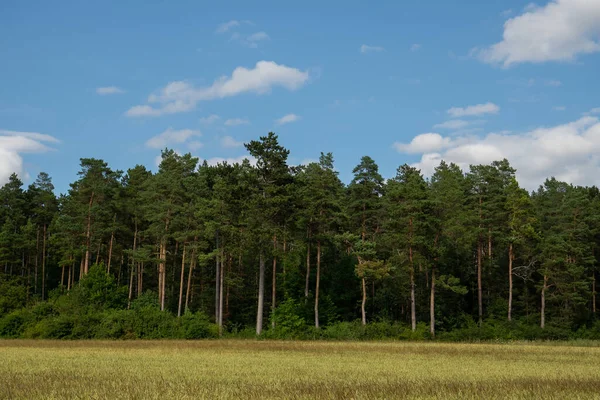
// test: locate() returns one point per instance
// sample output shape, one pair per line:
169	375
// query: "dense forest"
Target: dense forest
276	250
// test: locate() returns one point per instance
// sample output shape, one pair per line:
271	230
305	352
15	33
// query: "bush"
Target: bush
58	327
14	324
289	323
197	326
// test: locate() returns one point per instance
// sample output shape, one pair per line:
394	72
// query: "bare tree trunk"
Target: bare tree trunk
62	277
181	281
70	275
413	311
217	279
479	288
44	264
162	272
110	246
141	278
88	236
510	280
317	284
274	278
221	280
479	262
307	267
261	294
189	281
37	260
594	292
432	304
131	274
364	302
543	310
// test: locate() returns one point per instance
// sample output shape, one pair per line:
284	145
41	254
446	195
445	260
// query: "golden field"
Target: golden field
238	369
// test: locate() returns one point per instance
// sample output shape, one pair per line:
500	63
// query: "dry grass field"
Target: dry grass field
236	369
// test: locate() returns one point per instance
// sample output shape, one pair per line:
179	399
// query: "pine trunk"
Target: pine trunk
261	294
163	272
181	282
364	302
413	311
110	246
190	272
307	267
44	264
432	305
217	281
510	280
543	300
479	288
274	278
88	236
131	274
317	284
221	280
594	292
37	261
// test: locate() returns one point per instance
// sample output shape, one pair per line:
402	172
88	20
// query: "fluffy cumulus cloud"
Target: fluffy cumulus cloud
424	143
478	109
370	49
287	119
559	31
453	124
568	152
13	144
229	142
103	91
237	122
172	137
227	26
211	119
181	96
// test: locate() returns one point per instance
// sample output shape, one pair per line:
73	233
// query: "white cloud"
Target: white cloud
506	13
210	119
560	108
171	137
424	143
109	90
370	49
181	96
250	40
286	119
13	143
453	124
415	47
195	145
226	26
236	122
229	142
559	31
478	109
554	82
569	152
593	111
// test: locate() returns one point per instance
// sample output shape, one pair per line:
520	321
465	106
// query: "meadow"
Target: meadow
238	369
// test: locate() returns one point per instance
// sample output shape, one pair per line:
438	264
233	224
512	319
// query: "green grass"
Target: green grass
236	369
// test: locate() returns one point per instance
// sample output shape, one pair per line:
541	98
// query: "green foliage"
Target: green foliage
288	320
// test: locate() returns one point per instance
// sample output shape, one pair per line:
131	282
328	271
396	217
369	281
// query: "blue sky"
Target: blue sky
403	82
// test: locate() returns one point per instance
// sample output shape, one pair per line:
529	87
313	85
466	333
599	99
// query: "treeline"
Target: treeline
198	250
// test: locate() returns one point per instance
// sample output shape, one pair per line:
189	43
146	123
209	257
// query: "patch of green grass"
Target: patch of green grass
237	369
